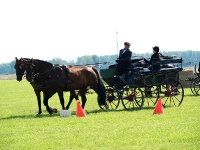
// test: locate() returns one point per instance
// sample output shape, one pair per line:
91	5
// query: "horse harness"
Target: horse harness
48	78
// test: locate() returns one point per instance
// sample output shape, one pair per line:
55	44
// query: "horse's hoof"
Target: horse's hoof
54	110
50	111
40	112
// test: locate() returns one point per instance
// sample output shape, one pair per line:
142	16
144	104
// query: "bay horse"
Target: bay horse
66	78
32	67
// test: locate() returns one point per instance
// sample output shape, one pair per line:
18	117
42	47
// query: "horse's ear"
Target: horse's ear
16	59
32	65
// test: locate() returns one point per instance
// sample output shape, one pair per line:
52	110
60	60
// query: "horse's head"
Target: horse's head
22	65
20	68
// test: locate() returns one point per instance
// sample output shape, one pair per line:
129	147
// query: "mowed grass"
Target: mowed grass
21	127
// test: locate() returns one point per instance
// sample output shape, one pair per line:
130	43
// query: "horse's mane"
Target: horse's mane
42	61
26	58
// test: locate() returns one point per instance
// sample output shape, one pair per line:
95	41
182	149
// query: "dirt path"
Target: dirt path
7	76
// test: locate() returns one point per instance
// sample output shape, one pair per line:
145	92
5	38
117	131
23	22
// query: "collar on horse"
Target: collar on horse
66	72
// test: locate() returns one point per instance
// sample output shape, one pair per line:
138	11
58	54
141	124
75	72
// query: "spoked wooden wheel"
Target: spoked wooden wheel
150	96
196	85
132	98
112	99
192	88
173	96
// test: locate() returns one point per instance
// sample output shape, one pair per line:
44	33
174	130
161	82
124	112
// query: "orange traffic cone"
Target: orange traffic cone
159	107
79	110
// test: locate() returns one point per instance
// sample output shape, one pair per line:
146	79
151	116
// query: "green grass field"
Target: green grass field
20	127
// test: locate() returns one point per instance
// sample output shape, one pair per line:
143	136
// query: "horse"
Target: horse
65	78
34	66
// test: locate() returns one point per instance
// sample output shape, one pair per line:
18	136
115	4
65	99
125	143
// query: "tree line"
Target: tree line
190	58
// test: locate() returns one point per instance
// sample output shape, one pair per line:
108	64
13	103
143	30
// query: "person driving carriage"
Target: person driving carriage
123	62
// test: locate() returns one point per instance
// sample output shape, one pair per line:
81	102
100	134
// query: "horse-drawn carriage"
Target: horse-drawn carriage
143	86
139	85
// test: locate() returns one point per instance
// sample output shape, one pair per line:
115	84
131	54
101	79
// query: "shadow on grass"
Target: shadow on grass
73	113
29	116
120	110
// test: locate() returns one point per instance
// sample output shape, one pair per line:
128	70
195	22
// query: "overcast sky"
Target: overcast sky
67	29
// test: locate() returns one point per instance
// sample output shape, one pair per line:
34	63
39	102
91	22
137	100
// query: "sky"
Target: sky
67	29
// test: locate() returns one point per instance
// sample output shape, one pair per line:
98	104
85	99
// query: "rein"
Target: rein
48	76
39	74
57	79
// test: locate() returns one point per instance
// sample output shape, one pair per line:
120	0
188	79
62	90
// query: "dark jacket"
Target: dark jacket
123	61
154	57
126	56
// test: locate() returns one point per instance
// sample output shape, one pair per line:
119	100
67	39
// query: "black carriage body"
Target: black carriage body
143	77
157	78
140	85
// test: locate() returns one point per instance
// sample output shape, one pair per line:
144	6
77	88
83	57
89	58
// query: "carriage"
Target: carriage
143	87
195	82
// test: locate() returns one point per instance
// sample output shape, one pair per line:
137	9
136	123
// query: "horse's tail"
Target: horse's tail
101	90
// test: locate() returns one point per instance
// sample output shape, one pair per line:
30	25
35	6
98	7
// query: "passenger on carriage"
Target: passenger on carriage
123	62
154	57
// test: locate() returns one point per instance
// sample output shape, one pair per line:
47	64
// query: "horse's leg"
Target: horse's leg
73	94
62	102
48	94
37	93
83	97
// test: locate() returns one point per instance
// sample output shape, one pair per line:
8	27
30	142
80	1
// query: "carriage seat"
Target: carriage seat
162	70
135	60
170	69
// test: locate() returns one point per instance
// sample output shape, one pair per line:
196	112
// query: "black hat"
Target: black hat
127	43
156	48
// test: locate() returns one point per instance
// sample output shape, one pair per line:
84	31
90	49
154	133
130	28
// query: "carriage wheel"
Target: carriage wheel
174	95
192	88
132	98
196	85
150	96
112	99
